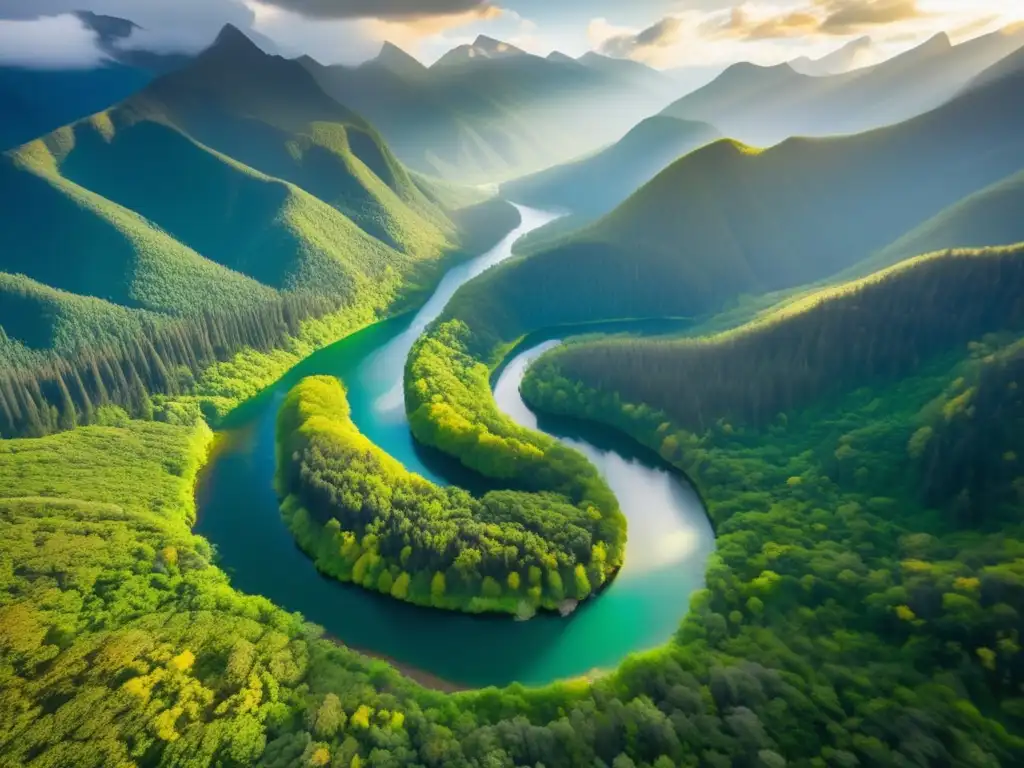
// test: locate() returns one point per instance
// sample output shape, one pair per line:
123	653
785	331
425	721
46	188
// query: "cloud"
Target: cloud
849	16
640	45
819	17
741	23
178	25
50	42
381	9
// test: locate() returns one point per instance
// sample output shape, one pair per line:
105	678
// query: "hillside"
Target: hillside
727	220
490	111
830	341
991	216
595	185
233	197
764	105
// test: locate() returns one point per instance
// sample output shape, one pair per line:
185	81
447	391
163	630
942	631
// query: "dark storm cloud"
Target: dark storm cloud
380	9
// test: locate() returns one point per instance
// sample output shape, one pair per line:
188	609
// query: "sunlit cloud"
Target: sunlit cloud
769	32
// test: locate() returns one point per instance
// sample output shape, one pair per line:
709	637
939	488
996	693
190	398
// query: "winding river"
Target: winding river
670	537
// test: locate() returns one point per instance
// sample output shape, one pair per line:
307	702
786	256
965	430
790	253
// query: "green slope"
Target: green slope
597	184
885	326
70	238
269	114
218	187
44	318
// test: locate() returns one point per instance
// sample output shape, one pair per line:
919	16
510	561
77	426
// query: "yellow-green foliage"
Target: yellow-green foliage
366	519
450	406
111	615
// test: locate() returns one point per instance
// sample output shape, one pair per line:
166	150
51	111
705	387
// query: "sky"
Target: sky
663	33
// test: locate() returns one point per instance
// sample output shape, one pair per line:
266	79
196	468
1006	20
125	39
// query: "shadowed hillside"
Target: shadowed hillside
885	326
993	216
597	184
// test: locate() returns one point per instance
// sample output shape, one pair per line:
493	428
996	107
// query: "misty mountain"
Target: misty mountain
482	48
489	110
595	185
763	105
854	55
727	219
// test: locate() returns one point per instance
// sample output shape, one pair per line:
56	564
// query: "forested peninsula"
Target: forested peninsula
367	520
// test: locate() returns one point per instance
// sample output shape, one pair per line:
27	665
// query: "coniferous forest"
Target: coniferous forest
287	478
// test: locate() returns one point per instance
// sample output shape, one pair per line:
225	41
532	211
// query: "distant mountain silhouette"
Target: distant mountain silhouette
490	110
854	55
763	105
596	184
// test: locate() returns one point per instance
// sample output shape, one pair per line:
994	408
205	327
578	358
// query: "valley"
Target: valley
491	412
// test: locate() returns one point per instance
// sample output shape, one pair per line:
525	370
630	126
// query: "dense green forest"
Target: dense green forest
367	520
858	447
881	525
825	342
842	623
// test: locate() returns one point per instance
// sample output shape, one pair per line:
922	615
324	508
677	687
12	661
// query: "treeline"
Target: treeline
367	520
165	358
885	326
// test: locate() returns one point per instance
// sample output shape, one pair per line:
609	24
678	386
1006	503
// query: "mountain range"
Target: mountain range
764	105
222	185
728	220
490	111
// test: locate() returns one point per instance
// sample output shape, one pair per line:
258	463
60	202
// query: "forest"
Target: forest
819	343
368	520
842	623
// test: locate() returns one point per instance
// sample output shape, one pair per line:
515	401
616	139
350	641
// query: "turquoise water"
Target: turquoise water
670	537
